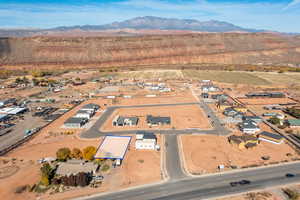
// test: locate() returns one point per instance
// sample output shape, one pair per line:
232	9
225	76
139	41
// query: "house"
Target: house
256	119
219	97
125	121
90	107
209	88
5	102
266	95
155	121
269	114
244	141
13	110
293	123
84	114
223	105
3	117
145	140
270	137
76	166
235	119
249	127
230	112
75	122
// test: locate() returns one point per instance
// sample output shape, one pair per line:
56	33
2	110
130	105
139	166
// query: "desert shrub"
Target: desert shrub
292	194
63	154
45	180
76	153
89	153
274	120
105	168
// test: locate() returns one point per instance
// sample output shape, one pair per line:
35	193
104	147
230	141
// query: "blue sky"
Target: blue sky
278	15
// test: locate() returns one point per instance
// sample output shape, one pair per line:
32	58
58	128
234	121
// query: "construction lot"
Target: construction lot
182	117
203	154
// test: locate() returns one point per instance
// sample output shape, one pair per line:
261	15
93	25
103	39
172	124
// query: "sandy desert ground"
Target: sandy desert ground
203	154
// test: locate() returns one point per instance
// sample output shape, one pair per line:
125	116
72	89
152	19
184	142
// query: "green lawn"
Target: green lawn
226	77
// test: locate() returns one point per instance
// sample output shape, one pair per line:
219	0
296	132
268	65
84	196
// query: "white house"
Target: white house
145	140
84	114
249	127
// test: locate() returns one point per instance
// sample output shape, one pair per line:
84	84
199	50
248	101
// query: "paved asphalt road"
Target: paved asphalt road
173	164
212	186
94	131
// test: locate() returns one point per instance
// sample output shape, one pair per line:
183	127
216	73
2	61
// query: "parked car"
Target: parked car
244	182
289	175
98	178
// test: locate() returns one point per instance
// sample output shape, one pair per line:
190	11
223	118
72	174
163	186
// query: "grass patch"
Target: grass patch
105	168
226	77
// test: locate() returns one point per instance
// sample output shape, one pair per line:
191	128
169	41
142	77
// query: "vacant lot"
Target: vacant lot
203	154
226	77
170	98
182	117
265	101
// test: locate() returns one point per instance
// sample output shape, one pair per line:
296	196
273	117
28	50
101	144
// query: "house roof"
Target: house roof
252	118
156	120
294	122
90	106
83	111
147	135
74	167
242	138
270	135
248	124
75	120
121	119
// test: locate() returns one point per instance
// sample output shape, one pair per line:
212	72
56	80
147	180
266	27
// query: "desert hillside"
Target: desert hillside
220	48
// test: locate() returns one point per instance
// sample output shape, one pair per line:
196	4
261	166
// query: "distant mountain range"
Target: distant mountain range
135	26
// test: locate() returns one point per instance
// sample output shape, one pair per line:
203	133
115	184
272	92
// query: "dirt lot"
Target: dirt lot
185	97
182	117
203	154
265	101
263	195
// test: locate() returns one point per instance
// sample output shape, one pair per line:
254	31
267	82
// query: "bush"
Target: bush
293	195
105	168
76	153
63	154
45	180
274	120
89	153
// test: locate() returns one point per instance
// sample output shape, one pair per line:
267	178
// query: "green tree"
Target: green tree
89	153
37	73
274	120
63	154
76	153
47	174
45	180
